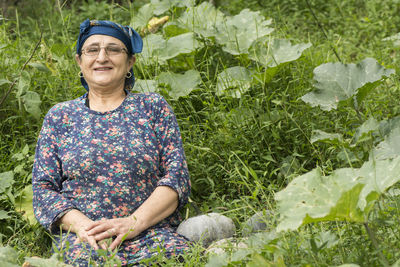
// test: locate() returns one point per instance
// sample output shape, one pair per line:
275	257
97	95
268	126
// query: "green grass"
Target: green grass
240	151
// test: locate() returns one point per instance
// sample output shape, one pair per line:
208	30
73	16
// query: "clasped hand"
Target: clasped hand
96	232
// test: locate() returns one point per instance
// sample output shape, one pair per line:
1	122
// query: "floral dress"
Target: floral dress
106	164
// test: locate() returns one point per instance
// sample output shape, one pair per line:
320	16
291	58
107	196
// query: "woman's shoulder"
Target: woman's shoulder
150	97
61	109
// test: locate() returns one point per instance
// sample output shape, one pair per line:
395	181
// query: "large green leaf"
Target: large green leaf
6	180
347	194
152	44
238	33
31	101
180	84
336	82
180	44
140	19
41	262
145	86
234	81
24	204
321	136
275	52
202	19
8	257
389	148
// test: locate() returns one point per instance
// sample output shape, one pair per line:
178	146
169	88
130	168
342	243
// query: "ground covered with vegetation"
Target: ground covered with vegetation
284	105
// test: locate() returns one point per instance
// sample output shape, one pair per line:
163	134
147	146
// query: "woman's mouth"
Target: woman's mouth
103	69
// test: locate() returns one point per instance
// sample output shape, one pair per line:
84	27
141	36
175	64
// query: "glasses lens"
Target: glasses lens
92	51
113	50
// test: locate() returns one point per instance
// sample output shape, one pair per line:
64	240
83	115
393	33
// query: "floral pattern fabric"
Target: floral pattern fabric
106	164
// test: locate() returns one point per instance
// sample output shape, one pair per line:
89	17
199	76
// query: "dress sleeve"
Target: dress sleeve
48	203
173	164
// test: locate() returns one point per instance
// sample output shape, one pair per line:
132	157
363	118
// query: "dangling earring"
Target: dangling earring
80	74
128	75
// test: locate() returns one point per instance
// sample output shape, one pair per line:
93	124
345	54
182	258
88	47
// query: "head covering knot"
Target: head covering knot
128	36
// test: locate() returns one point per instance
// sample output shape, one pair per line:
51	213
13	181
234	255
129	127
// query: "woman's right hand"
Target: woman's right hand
77	222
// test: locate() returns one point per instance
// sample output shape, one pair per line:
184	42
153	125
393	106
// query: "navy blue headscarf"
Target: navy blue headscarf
128	36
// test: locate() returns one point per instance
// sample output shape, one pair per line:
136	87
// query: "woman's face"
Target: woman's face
104	71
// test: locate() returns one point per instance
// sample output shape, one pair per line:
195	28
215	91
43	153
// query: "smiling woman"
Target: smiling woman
110	170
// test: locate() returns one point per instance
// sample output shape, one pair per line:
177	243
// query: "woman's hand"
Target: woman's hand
82	236
122	228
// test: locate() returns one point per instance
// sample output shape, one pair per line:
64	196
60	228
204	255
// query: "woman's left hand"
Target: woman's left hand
122	228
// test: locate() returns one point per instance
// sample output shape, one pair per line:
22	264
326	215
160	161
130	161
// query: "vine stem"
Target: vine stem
23	67
372	236
323	30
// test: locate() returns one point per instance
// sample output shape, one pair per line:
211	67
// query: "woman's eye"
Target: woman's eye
92	50
112	49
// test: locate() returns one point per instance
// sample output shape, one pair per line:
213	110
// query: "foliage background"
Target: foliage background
240	151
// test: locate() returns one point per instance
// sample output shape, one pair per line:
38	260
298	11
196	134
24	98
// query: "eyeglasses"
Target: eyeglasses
111	50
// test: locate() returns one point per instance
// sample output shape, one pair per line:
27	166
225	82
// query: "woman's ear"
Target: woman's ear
78	59
132	61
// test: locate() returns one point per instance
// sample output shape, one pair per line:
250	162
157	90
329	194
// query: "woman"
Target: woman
109	169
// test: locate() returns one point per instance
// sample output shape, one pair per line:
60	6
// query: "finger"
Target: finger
103	245
99	229
106	234
116	242
92	242
93	224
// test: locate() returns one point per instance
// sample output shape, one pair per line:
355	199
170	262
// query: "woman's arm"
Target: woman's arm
161	203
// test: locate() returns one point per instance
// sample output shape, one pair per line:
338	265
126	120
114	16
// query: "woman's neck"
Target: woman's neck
103	101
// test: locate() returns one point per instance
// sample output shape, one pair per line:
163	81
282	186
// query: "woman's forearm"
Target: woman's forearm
161	203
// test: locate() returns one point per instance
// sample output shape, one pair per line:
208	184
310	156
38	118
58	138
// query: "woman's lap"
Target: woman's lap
154	241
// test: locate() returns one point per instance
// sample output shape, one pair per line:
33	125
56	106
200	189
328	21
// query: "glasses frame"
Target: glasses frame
83	50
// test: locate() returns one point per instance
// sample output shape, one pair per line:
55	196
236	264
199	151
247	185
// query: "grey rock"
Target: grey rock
207	228
257	222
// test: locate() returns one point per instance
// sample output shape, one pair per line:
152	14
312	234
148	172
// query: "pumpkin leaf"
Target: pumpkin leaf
321	136
276	52
388	148
8	257
152	44
31	101
238	33
180	44
40	262
202	19
180	84
145	86
24	204
347	194
337	82
144	14
234	81
362	132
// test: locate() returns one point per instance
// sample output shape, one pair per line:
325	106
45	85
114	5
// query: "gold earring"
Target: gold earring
80	74
128	75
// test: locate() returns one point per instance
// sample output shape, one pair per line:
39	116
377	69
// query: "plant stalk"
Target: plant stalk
372	236
323	30
23	67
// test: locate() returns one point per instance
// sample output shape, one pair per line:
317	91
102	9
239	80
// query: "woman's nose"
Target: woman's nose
102	56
